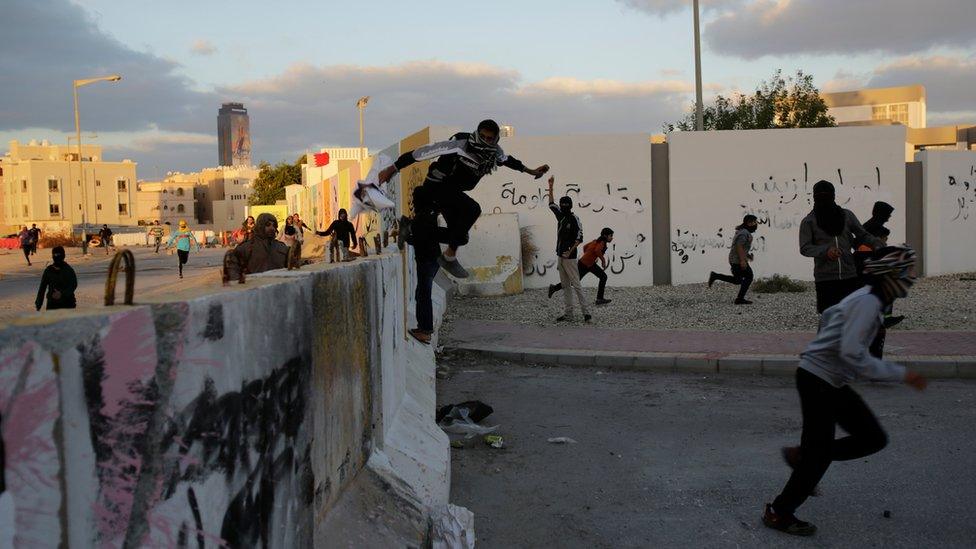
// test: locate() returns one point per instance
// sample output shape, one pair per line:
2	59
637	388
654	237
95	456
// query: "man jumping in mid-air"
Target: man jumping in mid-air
461	163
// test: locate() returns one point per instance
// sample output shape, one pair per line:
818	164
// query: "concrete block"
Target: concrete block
780	366
740	365
614	359
966	368
696	365
932	368
654	361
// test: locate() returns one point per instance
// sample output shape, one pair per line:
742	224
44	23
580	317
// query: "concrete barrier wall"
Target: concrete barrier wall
493	257
246	417
609	179
717	177
949	217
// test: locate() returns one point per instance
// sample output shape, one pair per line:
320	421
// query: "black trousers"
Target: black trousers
832	292
824	407
597	272
184	256
740	276
460	211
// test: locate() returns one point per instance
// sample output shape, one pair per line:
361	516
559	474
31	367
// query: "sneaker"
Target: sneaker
791	455
552	290
453	268
788	524
739	301
893	321
587	318
421	336
563	318
603	301
404	235
711	279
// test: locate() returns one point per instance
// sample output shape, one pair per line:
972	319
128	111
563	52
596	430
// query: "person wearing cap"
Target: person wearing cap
184	239
827	235
838	356
58	283
593	251
569	235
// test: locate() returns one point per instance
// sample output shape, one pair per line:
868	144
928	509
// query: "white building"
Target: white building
904	105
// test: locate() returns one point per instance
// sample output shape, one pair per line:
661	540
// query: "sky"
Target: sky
543	66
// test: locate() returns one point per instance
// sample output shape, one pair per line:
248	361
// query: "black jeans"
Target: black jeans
740	276
426	271
27	252
583	271
824	407
184	256
460	211
832	292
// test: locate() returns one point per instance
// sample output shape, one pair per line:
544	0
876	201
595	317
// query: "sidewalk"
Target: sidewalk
942	354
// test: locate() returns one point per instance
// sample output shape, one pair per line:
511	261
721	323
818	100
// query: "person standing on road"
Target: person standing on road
59	282
105	236
35	237
593	251
739	257
569	235
300	226
25	244
827	235
342	231
183	238
838	356
157	233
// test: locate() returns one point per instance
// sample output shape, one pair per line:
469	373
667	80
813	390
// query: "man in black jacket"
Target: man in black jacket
58	282
569	235
461	163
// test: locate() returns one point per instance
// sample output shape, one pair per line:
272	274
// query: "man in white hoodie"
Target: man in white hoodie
838	356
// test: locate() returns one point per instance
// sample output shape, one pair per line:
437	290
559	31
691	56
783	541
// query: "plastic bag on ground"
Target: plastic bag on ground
452	527
458	422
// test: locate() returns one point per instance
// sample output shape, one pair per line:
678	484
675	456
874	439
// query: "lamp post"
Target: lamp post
81	174
699	115
361	105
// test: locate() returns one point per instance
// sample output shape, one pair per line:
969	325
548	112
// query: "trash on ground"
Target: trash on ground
561	440
457	444
452	527
462	419
495	441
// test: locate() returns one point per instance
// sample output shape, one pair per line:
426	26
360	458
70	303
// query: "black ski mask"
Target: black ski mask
830	216
57	254
566	204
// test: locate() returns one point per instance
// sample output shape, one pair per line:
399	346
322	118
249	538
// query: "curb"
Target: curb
934	367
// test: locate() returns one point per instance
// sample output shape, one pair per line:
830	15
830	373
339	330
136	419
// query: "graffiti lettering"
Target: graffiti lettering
964	196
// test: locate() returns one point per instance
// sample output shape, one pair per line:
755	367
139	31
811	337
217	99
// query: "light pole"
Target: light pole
361	105
81	174
699	115
71	191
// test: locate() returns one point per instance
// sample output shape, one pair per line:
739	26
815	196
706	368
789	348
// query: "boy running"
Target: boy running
587	264
183	238
838	356
739	258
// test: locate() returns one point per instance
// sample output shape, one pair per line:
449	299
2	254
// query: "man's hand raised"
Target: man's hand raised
538	172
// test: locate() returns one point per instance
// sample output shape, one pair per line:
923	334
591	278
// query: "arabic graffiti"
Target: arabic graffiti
613	200
965	195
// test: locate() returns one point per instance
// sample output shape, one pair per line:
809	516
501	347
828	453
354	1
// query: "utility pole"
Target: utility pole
361	105
699	115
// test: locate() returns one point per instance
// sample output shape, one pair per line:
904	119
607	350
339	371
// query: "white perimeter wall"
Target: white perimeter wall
717	177
949	188
609	179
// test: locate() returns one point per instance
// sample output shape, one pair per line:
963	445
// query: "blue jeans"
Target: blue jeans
426	271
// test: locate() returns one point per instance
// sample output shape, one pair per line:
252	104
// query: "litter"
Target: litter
495	441
561	440
462	419
452	527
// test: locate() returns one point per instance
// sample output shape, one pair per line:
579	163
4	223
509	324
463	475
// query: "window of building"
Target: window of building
179	191
23	185
98	183
879	113
165	206
124	209
52	185
180	208
98	206
122	185
898	113
25	210
55	209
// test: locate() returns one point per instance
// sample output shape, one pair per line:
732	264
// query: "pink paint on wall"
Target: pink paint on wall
130	356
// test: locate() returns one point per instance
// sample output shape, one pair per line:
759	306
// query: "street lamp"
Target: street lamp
361	105
699	115
81	174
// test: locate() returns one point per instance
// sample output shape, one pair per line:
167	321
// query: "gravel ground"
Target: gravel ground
938	303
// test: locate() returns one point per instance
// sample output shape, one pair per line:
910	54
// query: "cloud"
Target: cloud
52	42
203	47
665	7
784	27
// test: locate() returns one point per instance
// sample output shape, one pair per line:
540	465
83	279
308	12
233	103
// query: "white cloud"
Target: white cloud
783	27
203	47
665	7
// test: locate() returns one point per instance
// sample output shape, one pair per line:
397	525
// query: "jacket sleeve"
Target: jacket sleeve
40	291
329	230
555	211
860	325
579	228
510	161
427	152
860	233
807	247
71	280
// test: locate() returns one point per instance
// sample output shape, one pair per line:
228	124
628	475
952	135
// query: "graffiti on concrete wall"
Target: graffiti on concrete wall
962	194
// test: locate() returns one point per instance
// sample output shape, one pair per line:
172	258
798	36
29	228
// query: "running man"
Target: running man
58	283
183	238
739	257
838	356
35	236
587	264
343	232
157	233
461	163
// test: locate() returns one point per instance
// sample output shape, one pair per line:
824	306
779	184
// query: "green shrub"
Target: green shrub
778	284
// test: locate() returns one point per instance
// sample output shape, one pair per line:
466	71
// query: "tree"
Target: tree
793	102
270	184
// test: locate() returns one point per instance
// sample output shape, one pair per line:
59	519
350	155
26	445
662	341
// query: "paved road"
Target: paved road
19	283
667	460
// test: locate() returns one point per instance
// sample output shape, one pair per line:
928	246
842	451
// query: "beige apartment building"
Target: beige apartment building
42	184
166	202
